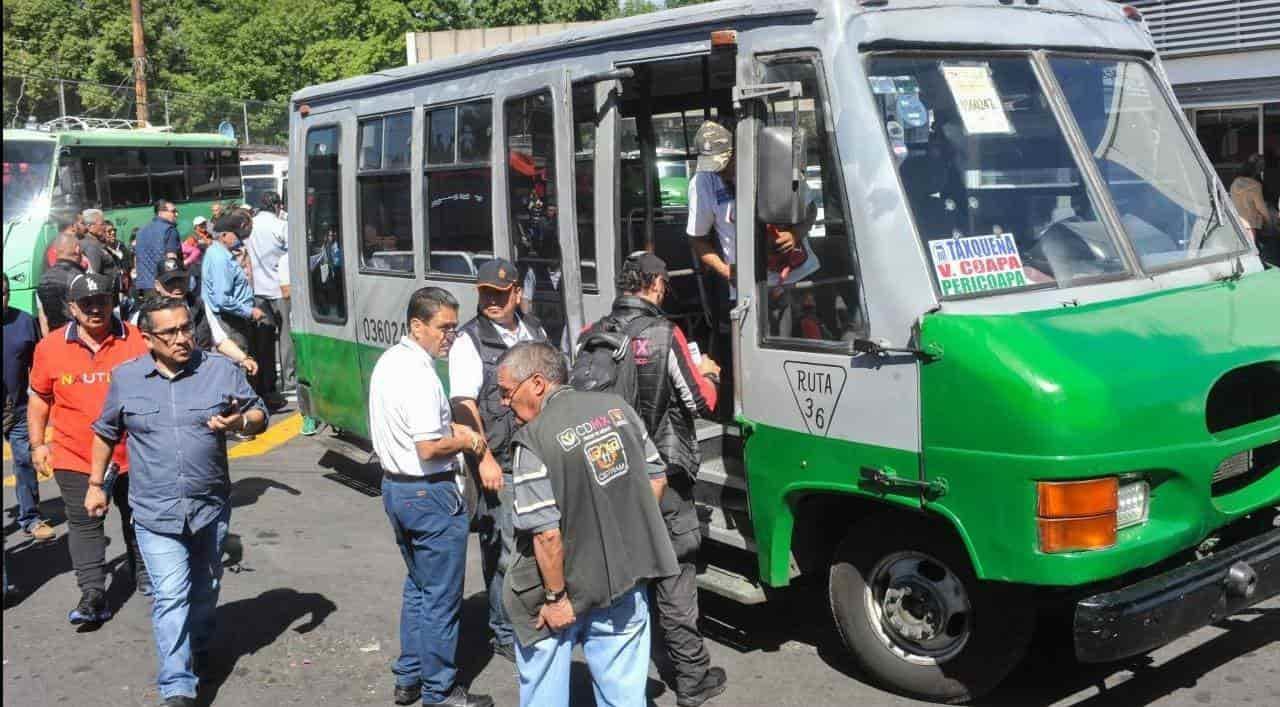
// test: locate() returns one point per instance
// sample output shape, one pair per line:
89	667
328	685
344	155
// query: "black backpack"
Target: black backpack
605	362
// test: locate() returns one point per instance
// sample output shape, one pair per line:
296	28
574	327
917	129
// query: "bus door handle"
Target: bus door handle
888	478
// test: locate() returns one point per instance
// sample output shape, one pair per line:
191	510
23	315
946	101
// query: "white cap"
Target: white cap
198	220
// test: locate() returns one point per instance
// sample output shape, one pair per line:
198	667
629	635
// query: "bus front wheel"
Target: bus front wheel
915	618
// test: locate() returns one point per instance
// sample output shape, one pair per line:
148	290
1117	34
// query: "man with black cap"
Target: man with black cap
70	375
225	286
173	280
498	325
672	388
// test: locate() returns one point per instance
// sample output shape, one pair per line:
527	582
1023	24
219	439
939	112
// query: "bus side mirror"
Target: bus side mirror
781	192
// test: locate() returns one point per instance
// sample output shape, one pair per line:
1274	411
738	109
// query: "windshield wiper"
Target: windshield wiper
1214	219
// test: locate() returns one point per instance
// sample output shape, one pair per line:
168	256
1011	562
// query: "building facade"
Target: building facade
1223	59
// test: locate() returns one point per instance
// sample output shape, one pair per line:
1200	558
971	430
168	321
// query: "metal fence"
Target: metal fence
38	99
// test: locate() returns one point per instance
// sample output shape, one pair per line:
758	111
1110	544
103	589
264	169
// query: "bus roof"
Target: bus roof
951	22
108	137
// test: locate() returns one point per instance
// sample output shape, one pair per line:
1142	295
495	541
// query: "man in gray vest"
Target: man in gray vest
473	390
589	535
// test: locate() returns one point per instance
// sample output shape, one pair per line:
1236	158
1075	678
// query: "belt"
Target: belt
449	475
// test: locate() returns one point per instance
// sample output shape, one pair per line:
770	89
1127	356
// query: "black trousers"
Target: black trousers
87	538
676	597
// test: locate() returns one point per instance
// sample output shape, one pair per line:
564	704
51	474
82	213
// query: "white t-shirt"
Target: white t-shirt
407	405
711	204
466	370
269	252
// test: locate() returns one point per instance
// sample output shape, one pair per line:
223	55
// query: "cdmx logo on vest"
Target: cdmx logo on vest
570	436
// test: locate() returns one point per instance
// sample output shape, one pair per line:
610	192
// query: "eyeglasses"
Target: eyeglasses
172	334
508	396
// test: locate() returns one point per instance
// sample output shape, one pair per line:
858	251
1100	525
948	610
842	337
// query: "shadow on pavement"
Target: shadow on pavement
246	626
246	492
31	565
363	478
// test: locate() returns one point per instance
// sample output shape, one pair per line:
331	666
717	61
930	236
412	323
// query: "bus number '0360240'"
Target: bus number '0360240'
383	331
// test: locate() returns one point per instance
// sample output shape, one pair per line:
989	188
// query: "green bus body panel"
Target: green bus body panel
784	466
1077	392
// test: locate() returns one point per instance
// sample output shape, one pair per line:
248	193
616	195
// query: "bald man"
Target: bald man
51	293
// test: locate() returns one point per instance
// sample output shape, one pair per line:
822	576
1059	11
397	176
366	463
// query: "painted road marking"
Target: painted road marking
276	435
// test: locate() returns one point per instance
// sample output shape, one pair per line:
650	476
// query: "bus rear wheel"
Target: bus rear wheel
915	618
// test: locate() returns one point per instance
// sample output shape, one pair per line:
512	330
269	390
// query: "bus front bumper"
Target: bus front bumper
1143	616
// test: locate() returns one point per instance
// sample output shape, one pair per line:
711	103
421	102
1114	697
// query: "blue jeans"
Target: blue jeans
28	490
497	543
430	522
615	642
185	570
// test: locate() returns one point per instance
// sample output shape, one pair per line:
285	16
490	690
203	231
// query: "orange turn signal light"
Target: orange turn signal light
724	38
1074	499
1068	534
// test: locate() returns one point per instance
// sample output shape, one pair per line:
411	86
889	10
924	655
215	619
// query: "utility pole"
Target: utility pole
139	64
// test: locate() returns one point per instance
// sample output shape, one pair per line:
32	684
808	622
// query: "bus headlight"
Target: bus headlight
1132	503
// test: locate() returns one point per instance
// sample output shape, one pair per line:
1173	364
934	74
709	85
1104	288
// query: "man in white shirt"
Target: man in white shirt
712	204
417	444
269	255
498	325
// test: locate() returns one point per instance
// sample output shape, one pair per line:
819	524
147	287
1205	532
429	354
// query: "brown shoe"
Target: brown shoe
41	531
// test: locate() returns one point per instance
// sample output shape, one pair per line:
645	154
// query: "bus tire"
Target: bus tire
915	617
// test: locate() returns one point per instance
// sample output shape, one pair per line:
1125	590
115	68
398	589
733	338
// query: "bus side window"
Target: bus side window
127	177
323	224
228	174
168	178
807	272
386	226
585	123
202	174
458	187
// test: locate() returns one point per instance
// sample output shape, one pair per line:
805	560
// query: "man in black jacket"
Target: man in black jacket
672	389
473	390
51	292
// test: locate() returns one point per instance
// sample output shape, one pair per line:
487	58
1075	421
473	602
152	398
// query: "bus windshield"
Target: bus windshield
27	164
1169	204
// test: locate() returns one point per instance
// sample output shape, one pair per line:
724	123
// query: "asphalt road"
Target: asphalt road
309	606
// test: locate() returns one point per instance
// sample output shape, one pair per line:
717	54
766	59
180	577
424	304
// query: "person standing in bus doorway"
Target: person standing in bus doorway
269	252
417	444
51	292
712	204
498	325
20	337
156	240
672	389
176	406
589	533
70	375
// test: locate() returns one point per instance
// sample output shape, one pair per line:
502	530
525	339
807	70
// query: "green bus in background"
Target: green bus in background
52	174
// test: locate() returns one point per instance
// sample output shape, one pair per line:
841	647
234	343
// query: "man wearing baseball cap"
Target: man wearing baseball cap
498	325
70	375
225	286
712	207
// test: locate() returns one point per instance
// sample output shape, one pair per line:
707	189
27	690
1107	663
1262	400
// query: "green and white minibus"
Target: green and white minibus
1037	366
52	174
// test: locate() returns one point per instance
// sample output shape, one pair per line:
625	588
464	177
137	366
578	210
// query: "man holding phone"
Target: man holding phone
177	405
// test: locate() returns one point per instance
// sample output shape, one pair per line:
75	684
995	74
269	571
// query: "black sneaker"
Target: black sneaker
504	650
92	608
461	698
713	683
408	694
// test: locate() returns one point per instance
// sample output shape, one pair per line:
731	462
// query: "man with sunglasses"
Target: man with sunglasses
417	444
498	325
69	379
155	242
177	406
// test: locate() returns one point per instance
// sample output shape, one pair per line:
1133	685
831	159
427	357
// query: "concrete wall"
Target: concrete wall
427	46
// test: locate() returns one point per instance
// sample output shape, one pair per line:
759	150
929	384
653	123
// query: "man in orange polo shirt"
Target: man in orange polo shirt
70	376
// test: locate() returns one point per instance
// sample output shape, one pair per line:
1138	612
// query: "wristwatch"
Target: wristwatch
553	597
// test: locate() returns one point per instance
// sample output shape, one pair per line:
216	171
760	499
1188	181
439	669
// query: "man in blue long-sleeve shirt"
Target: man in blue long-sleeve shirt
156	241
225	285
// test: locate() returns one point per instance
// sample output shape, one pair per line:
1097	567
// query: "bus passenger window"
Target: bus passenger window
168	174
457	189
228	174
127	178
323	219
584	175
531	175
807	272
202	174
385	215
